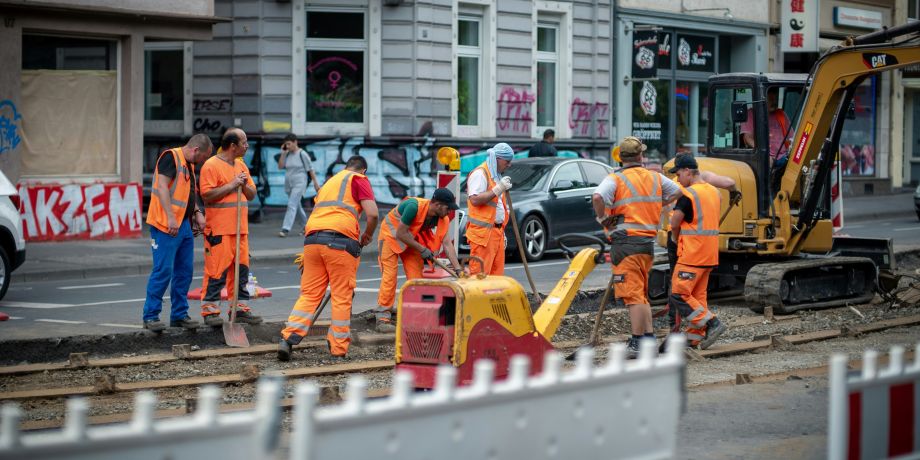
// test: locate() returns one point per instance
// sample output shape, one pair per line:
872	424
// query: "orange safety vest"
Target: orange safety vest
220	215
431	239
637	201
699	239
336	209
178	193
481	219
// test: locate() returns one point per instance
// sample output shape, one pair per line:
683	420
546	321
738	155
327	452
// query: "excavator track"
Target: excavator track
810	283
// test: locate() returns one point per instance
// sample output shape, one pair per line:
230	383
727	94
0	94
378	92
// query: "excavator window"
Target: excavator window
726	133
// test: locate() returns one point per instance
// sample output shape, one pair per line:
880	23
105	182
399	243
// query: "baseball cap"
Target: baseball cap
445	196
684	161
631	146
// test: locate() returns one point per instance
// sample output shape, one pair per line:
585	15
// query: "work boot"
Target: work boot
284	350
187	323
247	317
385	326
154	325
632	348
213	320
714	328
335	359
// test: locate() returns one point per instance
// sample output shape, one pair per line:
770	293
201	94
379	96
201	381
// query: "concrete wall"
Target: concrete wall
751	11
188	7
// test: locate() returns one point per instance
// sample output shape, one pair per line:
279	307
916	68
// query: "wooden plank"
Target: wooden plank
797	339
364	366
888	323
47	393
31	368
726	349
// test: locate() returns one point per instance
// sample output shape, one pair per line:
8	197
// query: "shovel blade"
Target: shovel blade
235	335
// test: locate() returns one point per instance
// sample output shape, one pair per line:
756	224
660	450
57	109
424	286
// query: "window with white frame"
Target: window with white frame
547	74
469	66
336	56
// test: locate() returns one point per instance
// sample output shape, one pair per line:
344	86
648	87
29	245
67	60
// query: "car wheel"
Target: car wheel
533	232
5	272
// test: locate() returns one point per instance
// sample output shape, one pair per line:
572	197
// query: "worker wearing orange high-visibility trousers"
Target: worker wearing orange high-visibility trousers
695	229
331	253
487	214
221	176
412	232
628	205
174	220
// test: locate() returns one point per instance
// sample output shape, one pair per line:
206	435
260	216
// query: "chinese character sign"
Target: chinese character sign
799	21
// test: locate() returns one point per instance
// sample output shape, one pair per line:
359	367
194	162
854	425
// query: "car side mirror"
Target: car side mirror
563	185
739	112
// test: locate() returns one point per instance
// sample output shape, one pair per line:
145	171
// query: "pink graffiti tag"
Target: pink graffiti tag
583	116
514	108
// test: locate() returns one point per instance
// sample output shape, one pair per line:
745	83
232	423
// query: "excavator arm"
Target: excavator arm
830	90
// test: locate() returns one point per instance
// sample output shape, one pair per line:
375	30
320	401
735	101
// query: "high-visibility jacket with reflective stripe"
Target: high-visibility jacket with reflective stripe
336	209
698	244
430	238
637	201
481	219
178	193
220	215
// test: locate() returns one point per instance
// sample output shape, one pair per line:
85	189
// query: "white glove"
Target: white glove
502	186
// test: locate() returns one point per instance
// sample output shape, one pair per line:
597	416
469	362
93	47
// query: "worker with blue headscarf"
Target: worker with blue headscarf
488	213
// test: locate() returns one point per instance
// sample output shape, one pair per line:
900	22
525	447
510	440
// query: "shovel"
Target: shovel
595	333
449	270
520	245
234	334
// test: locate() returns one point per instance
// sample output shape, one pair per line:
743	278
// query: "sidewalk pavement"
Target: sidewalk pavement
93	259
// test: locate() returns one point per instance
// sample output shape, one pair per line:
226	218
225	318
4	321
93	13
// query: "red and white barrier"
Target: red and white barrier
53	212
875	414
836	198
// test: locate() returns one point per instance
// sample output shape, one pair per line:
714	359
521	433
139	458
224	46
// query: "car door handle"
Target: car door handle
587	199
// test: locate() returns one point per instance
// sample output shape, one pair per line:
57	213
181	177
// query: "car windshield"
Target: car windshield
528	176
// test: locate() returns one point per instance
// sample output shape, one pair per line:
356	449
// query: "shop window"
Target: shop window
547	75
857	140
691	100
650	117
164	82
69	106
469	59
335	50
696	53
913	9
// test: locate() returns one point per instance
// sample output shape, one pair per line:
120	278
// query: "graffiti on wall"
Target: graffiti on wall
81	211
395	171
514	116
588	119
9	126
212	105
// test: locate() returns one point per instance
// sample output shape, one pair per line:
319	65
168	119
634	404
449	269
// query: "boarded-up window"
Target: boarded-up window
69	122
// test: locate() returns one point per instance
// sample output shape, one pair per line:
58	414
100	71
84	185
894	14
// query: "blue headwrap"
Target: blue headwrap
501	151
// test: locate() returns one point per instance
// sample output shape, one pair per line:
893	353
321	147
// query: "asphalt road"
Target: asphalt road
904	230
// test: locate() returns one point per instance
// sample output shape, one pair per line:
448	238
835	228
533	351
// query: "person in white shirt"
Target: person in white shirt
487	215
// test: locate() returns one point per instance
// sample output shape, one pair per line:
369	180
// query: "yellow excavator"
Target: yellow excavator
780	240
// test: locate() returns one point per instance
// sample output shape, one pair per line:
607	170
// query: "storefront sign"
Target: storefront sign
648	96
645	54
856	18
800	26
696	53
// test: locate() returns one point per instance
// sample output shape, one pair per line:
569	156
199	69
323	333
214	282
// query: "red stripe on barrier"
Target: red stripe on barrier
901	419
855	434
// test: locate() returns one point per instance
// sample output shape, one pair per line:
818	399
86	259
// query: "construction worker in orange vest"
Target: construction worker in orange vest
487	213
695	229
174	218
628	205
412	232
221	176
331	253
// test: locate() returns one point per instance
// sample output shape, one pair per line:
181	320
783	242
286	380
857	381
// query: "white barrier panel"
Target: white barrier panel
875	414
620	410
206	434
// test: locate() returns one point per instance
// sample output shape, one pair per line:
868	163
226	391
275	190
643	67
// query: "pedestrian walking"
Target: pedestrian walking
695	230
545	147
224	177
628	204
331	253
412	232
486	219
174	218
298	171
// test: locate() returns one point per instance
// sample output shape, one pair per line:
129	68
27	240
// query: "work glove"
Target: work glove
605	221
427	254
502	186
734	197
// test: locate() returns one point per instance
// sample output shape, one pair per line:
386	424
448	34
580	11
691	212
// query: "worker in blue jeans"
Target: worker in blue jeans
174	218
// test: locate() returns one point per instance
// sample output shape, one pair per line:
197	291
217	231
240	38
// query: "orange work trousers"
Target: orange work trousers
389	264
630	278
324	266
492	254
688	294
219	251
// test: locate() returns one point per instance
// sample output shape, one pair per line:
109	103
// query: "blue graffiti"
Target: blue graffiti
9	137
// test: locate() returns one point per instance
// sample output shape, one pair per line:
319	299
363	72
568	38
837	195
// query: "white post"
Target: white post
838	412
